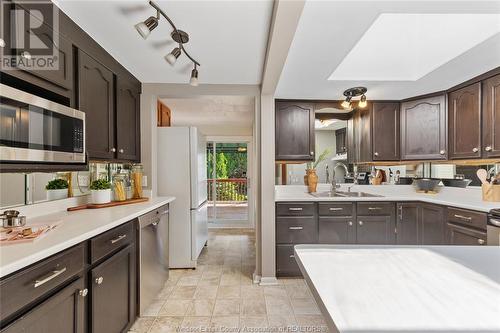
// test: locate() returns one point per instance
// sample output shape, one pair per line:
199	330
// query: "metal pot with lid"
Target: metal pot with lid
11	219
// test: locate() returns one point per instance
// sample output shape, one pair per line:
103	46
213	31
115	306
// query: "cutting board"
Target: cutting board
109	204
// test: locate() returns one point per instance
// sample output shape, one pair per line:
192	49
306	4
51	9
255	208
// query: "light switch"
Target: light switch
144	181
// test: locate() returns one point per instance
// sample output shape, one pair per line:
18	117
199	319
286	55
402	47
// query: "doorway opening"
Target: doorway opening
227	173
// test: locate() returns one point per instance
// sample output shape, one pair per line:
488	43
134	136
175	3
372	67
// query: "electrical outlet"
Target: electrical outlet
83	180
144	181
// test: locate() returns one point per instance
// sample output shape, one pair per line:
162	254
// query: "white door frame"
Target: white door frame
251	178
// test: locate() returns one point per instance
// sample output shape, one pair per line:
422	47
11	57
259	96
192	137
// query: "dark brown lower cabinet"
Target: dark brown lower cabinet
337	230
63	312
458	235
113	287
285	261
375	230
407	221
432	225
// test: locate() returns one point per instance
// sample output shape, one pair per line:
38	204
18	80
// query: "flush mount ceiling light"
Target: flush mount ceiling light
354	92
180	37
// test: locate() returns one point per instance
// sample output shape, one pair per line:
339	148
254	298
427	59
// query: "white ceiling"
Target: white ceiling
214	115
387	47
228	38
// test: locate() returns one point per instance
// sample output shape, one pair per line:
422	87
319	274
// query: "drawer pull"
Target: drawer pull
336	208
99	280
117	239
480	241
466	218
374	208
295	208
53	275
292	256
295	228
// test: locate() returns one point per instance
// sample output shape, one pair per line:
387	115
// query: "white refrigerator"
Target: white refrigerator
182	173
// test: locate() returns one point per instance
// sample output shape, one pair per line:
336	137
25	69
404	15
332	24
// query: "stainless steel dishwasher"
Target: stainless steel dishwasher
153	255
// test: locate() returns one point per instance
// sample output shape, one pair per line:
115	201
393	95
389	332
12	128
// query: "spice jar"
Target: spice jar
119	187
136	175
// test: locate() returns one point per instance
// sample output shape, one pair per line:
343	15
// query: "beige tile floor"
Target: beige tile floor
219	295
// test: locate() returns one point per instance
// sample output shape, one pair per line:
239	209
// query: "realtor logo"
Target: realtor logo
29	35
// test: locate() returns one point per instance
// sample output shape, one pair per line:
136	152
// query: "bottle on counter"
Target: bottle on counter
136	176
119	187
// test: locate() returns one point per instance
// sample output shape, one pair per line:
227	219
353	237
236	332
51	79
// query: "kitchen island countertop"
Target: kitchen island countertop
74	227
404	288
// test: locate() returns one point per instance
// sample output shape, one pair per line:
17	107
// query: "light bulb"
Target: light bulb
362	103
171	58
144	28
194	77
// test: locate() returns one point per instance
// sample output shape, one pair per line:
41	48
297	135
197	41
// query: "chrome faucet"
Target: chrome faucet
327	174
335	186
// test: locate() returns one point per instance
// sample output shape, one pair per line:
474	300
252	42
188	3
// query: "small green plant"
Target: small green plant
320	159
100	184
57	184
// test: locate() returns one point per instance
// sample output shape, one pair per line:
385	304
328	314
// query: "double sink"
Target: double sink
343	194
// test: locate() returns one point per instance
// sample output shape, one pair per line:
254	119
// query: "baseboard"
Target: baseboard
256	278
268	281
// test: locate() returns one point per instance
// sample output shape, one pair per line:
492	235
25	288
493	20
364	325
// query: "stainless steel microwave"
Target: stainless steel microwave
36	130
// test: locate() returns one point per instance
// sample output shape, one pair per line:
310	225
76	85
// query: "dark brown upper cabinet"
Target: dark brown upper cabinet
96	98
424	129
385	128
128	120
359	148
491	117
464	112
295	131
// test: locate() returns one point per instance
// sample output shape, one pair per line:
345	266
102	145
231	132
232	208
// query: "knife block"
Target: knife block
491	192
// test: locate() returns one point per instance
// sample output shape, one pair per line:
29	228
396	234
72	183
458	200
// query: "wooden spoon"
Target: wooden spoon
482	174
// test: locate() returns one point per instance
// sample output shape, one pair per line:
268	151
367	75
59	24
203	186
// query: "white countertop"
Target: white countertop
75	227
469	198
403	288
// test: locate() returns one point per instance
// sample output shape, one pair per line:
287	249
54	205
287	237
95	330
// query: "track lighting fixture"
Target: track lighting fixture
194	77
171	58
180	37
145	28
362	102
354	92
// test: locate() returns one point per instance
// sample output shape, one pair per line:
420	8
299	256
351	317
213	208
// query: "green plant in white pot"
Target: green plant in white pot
100	191
57	189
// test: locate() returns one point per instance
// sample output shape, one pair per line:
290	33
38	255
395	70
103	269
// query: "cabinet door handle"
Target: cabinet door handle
360	222
83	292
488	148
99	280
475	150
117	239
52	276
113	150
480	241
336	208
374	208
292	256
312	153
295	228
121	151
350	223
376	154
442	152
295	208
465	218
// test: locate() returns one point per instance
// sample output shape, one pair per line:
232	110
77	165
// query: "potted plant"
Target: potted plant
57	189
311	178
100	191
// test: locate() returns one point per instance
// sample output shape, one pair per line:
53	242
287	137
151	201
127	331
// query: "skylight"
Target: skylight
406	47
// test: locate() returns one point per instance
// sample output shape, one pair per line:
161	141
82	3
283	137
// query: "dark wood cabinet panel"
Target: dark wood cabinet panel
296	230
407	223
295	209
337	230
63	312
351	145
340	141
113	296
432	225
294	131
375	230
385	128
424	129
362	135
458	235
464	112
96	99
128	137
491	117
285	261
